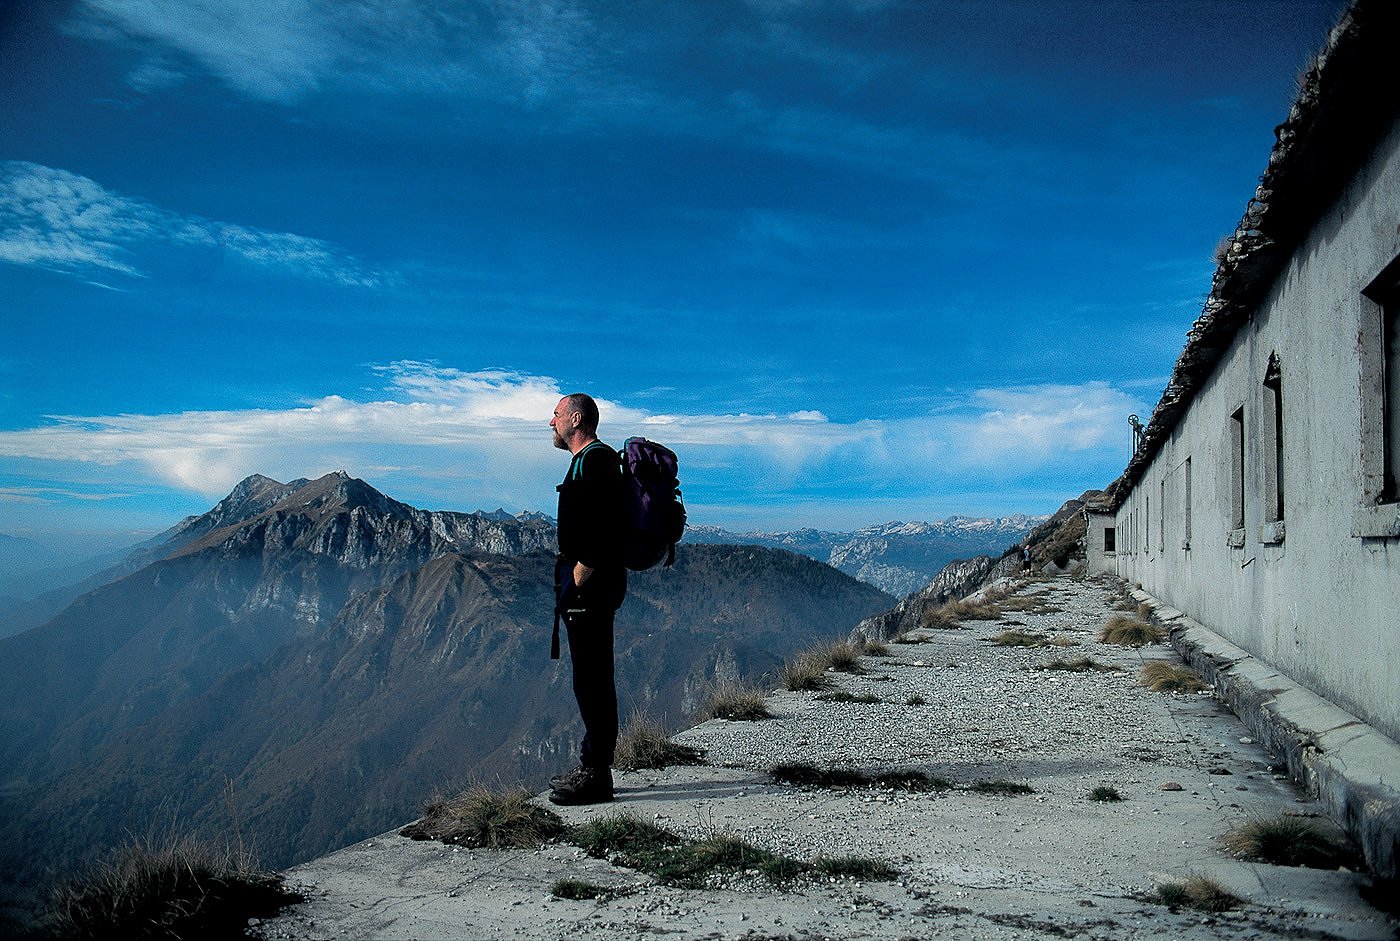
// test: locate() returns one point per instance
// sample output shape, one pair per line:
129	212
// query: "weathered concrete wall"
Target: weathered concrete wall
1308	597
1102	559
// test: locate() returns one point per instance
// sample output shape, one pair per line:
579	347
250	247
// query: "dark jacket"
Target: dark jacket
591	527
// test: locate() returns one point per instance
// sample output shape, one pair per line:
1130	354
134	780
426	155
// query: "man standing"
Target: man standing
591	582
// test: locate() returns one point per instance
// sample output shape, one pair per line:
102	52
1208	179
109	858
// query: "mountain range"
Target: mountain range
308	662
897	557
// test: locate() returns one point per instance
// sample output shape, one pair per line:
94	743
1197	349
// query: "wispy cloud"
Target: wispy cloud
51	218
567	59
286	50
1033	425
47	495
272	50
484	435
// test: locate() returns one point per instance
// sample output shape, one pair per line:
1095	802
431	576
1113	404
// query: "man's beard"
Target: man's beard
559	441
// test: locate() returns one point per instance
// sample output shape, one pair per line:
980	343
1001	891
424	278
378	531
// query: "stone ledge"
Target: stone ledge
1352	768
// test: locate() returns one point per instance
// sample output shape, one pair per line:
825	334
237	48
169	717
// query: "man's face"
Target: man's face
564	422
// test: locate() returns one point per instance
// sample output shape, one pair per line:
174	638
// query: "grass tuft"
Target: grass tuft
644	744
1020	639
951	614
908	638
1079	665
875	647
170	887
1198	892
805	672
808	775
1166	677
857	867
1028	604
1129	632
737	704
578	890
842	656
916	700
1285	841
842	696
485	819
627	840
1105	793
1006	788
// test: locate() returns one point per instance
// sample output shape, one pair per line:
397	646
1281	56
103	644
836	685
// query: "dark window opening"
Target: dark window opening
1237	469
1273	448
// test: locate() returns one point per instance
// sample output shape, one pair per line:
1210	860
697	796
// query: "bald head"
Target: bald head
575	422
587	409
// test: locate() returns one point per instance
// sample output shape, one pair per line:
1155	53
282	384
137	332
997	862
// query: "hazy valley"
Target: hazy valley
314	659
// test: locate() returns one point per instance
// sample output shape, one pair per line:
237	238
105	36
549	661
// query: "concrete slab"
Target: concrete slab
1052	863
1350	767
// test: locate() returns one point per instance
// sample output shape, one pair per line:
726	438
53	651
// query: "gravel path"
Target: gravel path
1051	863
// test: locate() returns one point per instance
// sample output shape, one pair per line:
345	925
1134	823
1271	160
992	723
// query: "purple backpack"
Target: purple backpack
655	513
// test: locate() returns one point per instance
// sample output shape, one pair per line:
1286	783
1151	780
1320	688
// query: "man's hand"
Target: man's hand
581	573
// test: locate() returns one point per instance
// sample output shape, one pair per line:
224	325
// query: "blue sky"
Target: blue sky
854	260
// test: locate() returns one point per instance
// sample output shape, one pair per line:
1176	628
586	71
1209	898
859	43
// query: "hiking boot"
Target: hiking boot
568	779
590	786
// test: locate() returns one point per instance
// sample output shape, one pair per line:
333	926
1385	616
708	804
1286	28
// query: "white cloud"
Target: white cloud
55	219
1035	423
488	431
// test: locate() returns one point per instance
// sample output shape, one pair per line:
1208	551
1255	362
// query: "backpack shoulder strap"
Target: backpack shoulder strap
576	465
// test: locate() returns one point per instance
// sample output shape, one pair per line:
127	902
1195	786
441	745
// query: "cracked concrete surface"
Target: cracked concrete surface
1052	863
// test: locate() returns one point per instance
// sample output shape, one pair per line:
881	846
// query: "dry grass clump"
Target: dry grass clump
644	744
1079	665
486	819
808	775
875	647
842	656
677	861
577	890
737	704
908	638
1164	677
842	696
1006	788
1285	841
1028	604
1020	639
1105	794
951	614
856	867
167	887
916	700
1198	892
1142	609
805	672
1127	631
965	610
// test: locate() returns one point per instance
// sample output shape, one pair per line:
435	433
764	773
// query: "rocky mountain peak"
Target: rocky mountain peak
338	492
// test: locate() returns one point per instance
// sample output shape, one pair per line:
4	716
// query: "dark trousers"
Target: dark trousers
591	654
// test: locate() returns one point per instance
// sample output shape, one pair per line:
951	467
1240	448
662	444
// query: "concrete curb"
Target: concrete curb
1353	769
